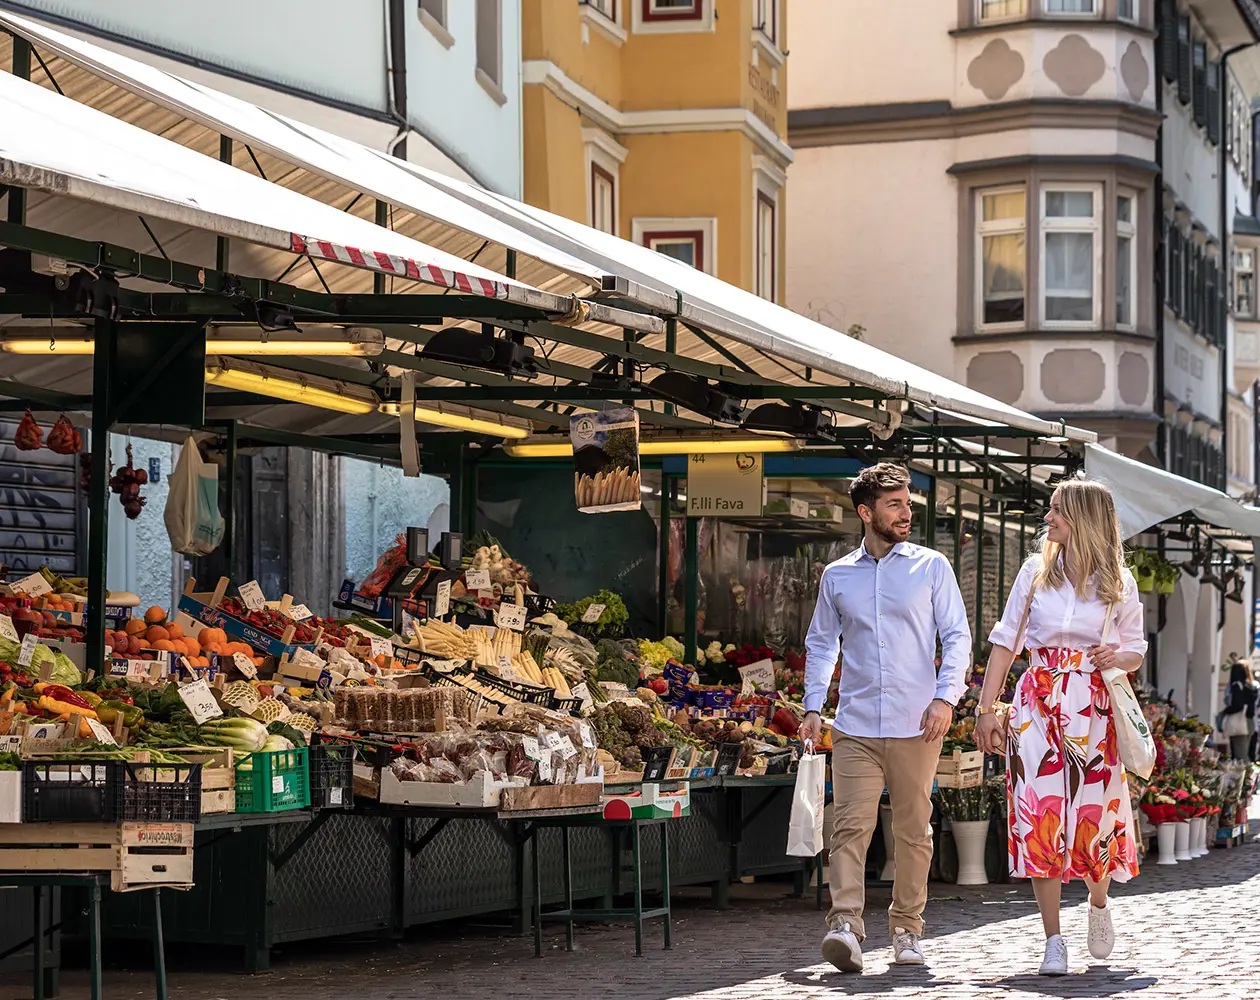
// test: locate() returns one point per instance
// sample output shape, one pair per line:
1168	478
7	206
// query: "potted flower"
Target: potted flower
1161	809
1143	567
1165	577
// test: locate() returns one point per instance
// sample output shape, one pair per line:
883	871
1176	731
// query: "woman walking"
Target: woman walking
1239	716
1075	608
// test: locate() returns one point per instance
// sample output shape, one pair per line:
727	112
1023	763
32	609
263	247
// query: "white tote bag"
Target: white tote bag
192	516
1133	735
805	827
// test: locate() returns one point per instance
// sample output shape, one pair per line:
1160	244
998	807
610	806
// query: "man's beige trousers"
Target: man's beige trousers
860	768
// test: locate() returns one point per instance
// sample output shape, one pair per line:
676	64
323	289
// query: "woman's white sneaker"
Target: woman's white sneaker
1056	961
1102	936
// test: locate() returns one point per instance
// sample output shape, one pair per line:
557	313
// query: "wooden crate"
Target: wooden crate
960	769
136	855
550	797
218	777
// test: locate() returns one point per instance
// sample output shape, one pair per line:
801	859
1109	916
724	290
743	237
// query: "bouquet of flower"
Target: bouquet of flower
746	654
1159	804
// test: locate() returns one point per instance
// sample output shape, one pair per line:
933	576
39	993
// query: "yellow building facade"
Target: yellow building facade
663	122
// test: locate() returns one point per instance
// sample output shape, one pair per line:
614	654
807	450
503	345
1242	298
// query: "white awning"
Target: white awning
52	144
1147	496
621	267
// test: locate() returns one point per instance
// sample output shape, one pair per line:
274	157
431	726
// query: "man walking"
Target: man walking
888	600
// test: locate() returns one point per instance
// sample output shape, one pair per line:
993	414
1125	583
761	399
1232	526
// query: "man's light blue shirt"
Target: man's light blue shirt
889	613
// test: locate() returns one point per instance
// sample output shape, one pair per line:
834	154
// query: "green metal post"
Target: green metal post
671	347
159	947
382	220
977	634
692	585
1001	557
21	68
509	264
958	525
468	491
662	585
223	245
229	513
105	334
929	528
1023	540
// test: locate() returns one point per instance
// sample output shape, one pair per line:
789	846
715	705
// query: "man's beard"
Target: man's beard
889	532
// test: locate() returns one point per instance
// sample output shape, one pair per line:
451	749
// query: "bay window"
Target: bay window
1001	10
1126	260
1002	253
1245	283
1071	6
1071	260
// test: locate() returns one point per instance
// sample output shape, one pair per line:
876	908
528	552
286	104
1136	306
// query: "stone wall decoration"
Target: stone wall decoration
1133	378
1073	375
1135	71
996	70
1074	65
999	374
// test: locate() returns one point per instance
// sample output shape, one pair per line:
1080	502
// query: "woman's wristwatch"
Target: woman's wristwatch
981	710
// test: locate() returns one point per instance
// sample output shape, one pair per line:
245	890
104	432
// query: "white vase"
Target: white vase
970	838
1198	836
1166	837
885	824
1183	840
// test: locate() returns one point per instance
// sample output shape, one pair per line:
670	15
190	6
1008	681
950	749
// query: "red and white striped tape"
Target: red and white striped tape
388	263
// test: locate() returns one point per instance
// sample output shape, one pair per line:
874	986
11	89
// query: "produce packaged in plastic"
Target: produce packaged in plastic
391	560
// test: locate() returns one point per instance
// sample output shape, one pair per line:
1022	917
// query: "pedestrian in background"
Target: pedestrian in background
1068	806
1238	721
888	601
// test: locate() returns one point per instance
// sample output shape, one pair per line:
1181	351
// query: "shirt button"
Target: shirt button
881	645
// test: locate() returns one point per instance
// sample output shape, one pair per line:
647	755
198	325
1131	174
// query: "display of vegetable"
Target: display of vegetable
240	733
63	670
618	662
611	622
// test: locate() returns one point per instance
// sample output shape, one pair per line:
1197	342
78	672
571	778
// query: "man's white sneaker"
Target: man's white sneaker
841	948
906	947
1056	961
1102	936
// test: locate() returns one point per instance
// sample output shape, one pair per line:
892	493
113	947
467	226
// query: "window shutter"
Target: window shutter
1183	60
1168	38
1214	103
1200	83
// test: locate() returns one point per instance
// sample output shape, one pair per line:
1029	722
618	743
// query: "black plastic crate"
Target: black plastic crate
161	792
571	705
332	772
728	759
72	791
529	693
656	763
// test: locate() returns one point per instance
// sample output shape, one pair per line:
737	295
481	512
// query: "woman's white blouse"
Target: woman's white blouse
1059	618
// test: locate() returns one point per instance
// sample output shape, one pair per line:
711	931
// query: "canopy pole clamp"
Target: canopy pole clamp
579	312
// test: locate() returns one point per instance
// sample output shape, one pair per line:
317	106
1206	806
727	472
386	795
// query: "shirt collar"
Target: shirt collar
900	549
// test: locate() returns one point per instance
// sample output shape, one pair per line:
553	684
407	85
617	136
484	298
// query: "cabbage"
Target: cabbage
63	671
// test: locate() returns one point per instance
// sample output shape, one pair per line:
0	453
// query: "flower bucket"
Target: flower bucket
1198	837
970	837
1183	841
1145	580
1166	837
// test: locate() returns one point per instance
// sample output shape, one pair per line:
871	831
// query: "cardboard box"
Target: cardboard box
649	802
483	791
10	796
204	615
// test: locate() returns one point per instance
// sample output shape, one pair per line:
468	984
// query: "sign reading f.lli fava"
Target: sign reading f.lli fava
724	486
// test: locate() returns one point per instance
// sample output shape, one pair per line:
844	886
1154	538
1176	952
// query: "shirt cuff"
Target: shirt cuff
814	704
1005	636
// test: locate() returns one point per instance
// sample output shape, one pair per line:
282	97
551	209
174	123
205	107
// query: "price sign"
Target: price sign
552	740
200	701
443	606
28	650
592	613
10	744
588	735
531	747
759	674
252	595
544	767
32	586
443	666
47	731
245	665
566	748
583	692
505	664
101	734
798	508
382	647
299	612
477	579
138	670
510	616
277	784
7	631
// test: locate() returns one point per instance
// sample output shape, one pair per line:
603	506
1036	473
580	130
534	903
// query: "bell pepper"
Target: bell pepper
110	710
55	706
93	700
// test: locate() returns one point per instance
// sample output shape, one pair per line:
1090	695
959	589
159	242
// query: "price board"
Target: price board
477	579
32	586
7	631
592	613
245	665
252	595
510	616
443	605
199	699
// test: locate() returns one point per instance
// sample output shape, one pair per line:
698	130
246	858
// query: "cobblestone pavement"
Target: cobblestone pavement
1188	931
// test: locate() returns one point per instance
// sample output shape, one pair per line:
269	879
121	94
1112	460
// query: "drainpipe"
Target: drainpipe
396	73
1160	276
1227	253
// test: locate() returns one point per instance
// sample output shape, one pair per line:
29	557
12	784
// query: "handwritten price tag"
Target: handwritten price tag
477	579
382	647
443	605
299	612
588	736
200	701
531	747
510	616
27	651
101	734
592	613
544	767
798	508
252	595
566	748
7	631
759	674
552	740
245	665
32	586
10	744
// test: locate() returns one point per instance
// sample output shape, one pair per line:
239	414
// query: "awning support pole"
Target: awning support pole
671	346
958	529
468	490
1001	596
692	584
229	513
21	68
977	632
223	245
105	333
929	528
662	585
382	220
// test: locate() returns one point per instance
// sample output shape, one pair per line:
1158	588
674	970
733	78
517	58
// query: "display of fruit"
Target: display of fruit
28	436
126	482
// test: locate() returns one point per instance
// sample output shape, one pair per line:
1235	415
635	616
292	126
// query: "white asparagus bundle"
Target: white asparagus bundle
620	486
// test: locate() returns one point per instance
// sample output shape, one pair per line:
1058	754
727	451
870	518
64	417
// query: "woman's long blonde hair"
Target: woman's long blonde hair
1095	549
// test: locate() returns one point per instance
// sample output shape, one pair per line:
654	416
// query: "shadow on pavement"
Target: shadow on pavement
1097	981
894	977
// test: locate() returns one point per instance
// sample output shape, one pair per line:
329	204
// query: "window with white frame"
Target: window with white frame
692	241
766	19
1001	10
1126	259
766	256
1053	7
685	246
489	40
1245	283
603	200
1127	10
1070	255
662	10
1001	256
606	7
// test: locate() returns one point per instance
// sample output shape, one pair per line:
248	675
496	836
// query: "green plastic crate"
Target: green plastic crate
275	781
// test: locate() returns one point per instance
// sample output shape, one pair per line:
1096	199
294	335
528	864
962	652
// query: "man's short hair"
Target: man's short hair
876	480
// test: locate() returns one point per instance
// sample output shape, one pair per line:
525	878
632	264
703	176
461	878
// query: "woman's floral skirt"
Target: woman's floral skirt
1067	797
